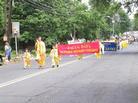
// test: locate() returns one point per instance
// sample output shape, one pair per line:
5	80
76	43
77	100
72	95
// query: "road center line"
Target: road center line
35	74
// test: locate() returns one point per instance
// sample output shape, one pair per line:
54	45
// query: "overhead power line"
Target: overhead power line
47	8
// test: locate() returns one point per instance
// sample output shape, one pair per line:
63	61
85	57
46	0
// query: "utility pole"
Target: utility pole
113	22
8	24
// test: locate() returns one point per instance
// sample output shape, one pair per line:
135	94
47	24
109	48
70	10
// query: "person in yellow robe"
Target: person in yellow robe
55	57
98	55
124	44
27	59
101	50
80	56
40	49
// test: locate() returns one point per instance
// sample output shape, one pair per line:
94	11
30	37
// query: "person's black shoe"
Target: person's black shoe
53	66
57	65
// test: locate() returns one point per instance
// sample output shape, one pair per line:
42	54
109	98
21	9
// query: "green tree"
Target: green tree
123	23
61	20
1	17
1	23
136	22
111	11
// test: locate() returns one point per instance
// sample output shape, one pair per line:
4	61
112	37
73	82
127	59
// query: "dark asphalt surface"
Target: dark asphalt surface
111	79
12	71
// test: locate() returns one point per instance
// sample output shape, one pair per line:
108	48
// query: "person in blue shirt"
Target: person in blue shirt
7	51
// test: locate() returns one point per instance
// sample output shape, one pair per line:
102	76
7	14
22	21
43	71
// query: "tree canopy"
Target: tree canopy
62	20
136	21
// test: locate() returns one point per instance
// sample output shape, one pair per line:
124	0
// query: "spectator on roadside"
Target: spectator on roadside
7	52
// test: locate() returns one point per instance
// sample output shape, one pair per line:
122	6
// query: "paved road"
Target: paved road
112	79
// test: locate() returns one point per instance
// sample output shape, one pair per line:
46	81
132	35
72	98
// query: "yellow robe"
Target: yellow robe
99	54
124	44
55	57
40	52
27	59
80	56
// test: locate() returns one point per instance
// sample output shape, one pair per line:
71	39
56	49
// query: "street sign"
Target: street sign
15	29
16	34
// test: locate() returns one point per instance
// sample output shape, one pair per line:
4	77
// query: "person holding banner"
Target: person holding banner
99	54
55	57
40	52
102	48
